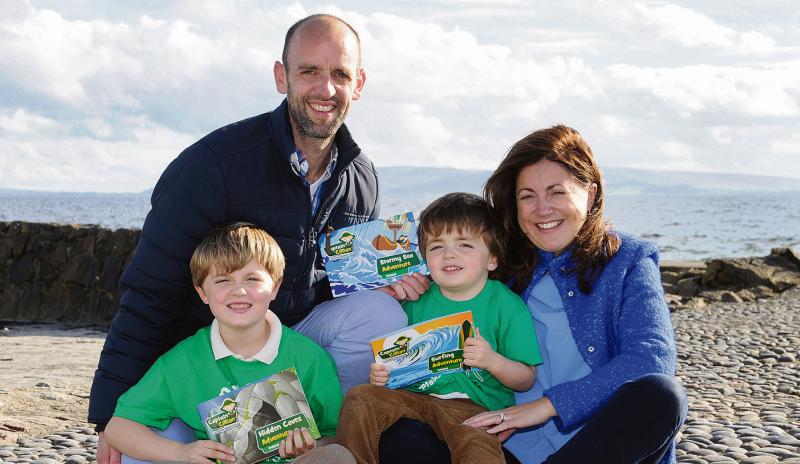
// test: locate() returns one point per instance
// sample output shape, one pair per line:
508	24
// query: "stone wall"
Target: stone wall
68	273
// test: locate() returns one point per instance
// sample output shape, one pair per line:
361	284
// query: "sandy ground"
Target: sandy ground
45	374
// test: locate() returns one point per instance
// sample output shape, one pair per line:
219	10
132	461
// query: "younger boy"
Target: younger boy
236	270
461	246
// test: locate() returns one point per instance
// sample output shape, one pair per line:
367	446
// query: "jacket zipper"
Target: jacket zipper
311	235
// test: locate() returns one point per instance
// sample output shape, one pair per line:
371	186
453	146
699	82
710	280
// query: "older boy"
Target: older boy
461	245
236	270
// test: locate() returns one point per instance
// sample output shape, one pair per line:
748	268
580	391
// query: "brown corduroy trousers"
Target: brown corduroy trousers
369	410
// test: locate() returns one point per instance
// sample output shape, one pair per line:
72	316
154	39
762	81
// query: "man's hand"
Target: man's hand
478	353
297	442
378	374
410	287
201	451
105	453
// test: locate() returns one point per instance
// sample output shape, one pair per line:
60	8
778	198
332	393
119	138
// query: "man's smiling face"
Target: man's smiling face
321	77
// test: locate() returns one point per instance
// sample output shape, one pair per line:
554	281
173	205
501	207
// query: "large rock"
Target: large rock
66	273
688	284
778	271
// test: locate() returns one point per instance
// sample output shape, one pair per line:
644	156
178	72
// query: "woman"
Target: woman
606	391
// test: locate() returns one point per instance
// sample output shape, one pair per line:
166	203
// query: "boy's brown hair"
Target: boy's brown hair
230	247
460	212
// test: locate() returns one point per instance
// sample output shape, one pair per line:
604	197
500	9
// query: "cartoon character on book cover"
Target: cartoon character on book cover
371	255
424	350
254	419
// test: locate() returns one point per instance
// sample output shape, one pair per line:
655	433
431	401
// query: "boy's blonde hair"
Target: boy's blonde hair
230	247
460	212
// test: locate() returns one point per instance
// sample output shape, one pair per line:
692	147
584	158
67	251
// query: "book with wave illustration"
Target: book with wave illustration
371	255
425	349
254	419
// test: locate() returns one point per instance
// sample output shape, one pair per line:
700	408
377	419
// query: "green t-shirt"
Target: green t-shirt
503	320
188	375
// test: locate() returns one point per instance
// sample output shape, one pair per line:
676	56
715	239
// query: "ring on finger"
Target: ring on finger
502	416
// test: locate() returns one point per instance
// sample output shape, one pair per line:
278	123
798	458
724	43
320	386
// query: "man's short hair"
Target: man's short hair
460	213
296	26
230	247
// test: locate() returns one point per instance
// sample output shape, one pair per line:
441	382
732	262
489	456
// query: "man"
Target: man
294	172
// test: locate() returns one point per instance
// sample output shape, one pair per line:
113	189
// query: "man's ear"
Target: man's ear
281	81
202	294
361	79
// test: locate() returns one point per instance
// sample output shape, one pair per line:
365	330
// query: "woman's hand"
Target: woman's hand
203	450
378	374
297	442
506	421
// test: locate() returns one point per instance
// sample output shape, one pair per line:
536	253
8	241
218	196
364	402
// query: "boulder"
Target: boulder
730	280
688	286
778	271
728	296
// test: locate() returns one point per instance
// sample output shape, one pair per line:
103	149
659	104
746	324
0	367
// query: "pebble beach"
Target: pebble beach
738	362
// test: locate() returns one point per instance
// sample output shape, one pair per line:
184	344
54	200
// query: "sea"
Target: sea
685	227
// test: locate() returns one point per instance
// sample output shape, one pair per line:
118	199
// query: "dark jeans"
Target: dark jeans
637	425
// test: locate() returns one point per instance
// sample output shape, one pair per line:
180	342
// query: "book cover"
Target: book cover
370	255
254	419
426	349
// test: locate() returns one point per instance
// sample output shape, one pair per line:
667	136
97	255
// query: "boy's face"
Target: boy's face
239	299
459	263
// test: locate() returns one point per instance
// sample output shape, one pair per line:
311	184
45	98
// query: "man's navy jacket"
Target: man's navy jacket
240	172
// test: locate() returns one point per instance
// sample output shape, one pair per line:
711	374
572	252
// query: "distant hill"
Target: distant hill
639	181
418	185
411	184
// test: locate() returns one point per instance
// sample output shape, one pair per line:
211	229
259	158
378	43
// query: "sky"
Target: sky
102	95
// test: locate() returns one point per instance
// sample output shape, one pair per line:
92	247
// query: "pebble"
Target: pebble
737	361
760	460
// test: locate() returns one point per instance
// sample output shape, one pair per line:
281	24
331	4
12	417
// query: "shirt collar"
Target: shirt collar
548	262
266	354
299	164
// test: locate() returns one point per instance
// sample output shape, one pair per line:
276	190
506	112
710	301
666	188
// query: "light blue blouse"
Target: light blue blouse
562	363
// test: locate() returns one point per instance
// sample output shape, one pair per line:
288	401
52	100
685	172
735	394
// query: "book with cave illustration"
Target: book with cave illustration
425	350
254	419
370	255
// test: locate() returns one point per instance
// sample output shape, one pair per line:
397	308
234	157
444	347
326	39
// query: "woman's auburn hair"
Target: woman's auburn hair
594	244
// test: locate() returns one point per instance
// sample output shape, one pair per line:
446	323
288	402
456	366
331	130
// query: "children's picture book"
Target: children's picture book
254	419
370	255
424	350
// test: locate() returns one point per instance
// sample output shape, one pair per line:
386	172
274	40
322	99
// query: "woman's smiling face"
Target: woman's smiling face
551	205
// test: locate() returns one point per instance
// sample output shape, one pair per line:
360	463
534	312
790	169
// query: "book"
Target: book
372	254
425	349
254	419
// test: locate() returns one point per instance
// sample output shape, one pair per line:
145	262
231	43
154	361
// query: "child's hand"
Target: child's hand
297	442
478	352
203	450
378	374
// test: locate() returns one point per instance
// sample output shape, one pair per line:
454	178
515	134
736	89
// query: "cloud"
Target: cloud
754	91
614	125
101	96
461	91
693	29
21	122
789	145
39	157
